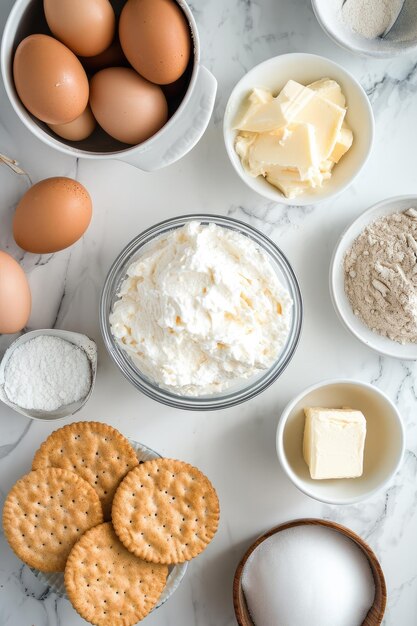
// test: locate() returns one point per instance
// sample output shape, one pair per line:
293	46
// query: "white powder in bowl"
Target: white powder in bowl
308	575
46	373
370	18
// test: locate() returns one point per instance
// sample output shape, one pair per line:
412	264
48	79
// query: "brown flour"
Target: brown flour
381	276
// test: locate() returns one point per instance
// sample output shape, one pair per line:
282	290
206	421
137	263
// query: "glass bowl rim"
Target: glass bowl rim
230	397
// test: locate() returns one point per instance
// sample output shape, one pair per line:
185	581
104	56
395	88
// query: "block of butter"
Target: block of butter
334	442
295	138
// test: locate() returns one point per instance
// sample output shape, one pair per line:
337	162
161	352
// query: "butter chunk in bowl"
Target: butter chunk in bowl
298	129
340	455
295	138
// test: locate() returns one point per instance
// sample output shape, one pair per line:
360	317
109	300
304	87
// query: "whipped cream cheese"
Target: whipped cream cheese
202	308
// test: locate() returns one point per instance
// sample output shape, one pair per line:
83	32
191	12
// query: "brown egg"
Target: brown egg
78	129
111	57
156	39
85	26
15	297
50	80
127	106
52	215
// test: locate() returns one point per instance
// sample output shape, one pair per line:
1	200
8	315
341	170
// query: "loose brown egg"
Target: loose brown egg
127	106
155	38
78	129
52	215
15	297
50	80
85	26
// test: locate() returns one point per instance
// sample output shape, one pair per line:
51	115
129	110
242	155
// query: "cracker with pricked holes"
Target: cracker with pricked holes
108	585
97	452
166	511
45	513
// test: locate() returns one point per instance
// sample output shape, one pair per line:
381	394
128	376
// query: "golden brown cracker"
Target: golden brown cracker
108	585
95	451
45	513
166	511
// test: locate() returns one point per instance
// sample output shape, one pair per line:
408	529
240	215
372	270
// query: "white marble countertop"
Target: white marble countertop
235	447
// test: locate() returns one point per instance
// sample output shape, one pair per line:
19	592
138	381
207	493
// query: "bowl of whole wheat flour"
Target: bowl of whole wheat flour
373	278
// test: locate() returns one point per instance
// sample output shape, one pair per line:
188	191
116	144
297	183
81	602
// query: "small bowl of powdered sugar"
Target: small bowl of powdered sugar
377	28
48	374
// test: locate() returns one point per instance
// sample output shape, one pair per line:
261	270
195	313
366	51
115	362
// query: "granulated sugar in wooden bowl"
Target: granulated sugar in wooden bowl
286	573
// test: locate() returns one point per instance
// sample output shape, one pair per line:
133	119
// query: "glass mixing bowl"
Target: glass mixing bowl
243	390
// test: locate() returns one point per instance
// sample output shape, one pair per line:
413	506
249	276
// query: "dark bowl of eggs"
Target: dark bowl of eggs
108	79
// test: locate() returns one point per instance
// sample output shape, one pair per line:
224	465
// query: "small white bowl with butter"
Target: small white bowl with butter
382	454
320	148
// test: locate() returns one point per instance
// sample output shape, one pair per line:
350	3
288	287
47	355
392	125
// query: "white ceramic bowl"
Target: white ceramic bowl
305	68
173	141
55	580
402	39
384	445
381	344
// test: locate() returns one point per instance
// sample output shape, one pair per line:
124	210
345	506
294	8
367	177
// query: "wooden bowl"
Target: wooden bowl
375	613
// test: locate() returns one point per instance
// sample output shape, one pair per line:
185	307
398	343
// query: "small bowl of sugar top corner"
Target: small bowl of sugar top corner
356	25
311	531
84	343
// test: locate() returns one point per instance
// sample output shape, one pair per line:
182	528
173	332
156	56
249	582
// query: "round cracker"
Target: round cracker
166	511
108	585
45	513
95	451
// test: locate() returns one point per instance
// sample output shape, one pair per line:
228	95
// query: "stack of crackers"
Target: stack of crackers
113	525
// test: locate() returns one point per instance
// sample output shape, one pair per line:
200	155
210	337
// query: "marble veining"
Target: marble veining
236	447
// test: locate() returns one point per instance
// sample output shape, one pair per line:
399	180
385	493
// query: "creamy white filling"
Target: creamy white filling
201	309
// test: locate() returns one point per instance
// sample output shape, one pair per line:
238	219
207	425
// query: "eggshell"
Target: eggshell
15	297
50	80
111	57
78	129
156	39
127	106
52	215
86	26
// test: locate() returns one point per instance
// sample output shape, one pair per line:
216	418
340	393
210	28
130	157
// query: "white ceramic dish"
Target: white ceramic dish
383	345
55	580
402	38
81	341
305	68
179	135
384	445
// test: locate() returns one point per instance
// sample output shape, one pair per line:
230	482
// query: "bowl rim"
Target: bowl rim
375	566
300	484
363	52
274	194
215	401
340	247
